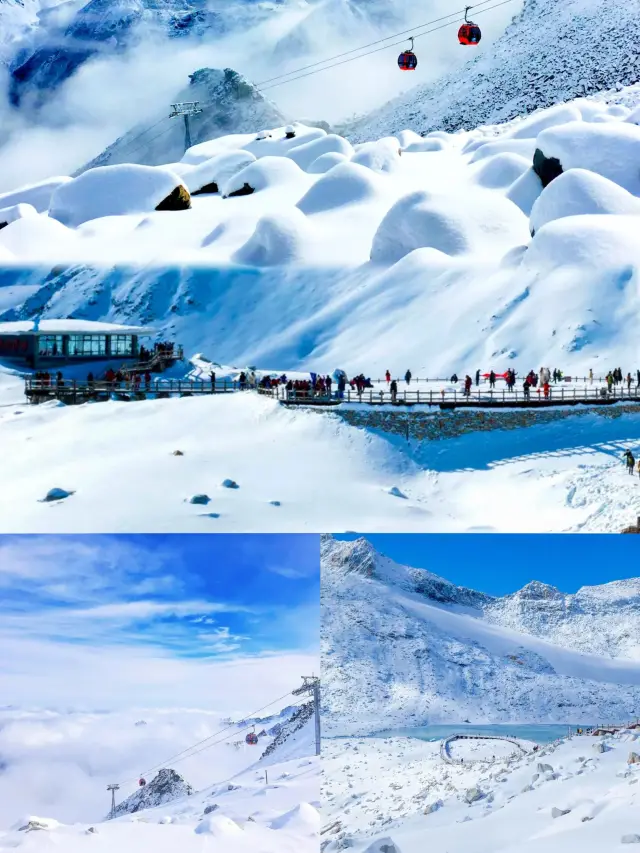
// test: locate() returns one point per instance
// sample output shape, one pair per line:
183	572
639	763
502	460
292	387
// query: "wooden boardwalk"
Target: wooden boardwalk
75	392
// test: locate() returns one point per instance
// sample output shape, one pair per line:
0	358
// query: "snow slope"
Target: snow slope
393	655
396	796
300	471
237	810
551	52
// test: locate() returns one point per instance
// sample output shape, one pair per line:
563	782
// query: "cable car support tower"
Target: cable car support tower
311	687
186	109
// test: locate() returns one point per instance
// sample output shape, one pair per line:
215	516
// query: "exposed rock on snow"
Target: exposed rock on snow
556	812
199	499
166	785
115	191
209	174
473	795
383	845
610	150
56	494
230	484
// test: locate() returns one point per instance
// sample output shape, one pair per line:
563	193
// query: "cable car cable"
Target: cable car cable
377	50
198	743
374	43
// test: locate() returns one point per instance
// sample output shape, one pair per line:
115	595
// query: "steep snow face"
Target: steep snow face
166	785
551	52
395	656
602	619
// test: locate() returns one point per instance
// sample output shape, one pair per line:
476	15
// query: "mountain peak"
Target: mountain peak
538	591
165	786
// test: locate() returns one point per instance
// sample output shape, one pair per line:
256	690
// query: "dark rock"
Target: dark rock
207	189
244	190
546	168
178	199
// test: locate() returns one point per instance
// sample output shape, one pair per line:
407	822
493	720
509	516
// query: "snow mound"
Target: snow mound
307	153
345	184
612	150
523	147
530	127
425	145
50	236
477	220
112	191
263	174
501	170
303	818
217	170
218	826
524	192
17	211
38	195
380	156
326	162
604	243
577	192
277	239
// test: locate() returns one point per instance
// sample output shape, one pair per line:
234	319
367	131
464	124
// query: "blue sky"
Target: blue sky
502	563
155	607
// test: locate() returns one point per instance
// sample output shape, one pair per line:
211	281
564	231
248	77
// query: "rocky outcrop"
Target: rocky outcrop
166	786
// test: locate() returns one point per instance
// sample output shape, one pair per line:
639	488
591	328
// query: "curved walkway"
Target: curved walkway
446	756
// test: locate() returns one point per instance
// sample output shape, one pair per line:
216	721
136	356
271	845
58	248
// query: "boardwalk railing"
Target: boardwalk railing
558	395
72	391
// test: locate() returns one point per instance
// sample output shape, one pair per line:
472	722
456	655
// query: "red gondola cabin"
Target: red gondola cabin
408	61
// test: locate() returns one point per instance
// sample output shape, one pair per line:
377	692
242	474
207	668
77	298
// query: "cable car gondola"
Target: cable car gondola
469	33
142	782
251	738
408	61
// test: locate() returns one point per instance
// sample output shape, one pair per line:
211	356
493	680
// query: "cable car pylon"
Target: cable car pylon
311	687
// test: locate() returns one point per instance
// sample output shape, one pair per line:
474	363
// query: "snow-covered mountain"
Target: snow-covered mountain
393	654
552	52
166	785
604	619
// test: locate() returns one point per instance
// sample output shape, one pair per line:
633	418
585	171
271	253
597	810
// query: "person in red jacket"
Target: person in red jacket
387	376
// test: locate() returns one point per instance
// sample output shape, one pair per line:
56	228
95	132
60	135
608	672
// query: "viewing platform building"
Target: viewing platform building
59	343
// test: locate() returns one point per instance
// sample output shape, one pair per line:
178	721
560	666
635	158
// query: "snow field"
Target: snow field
568	795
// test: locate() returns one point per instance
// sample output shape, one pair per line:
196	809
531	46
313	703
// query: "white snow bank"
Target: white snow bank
326	162
474	221
264	173
577	192
280	239
51	237
501	170
345	184
304	155
612	150
425	145
17	211
217	170
530	127
601	243
380	156
217	825
525	191
112	191
38	195
523	147
303	819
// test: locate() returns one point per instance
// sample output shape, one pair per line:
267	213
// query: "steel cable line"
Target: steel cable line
377	50
177	756
373	43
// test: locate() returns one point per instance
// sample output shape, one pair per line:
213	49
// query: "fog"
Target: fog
110	94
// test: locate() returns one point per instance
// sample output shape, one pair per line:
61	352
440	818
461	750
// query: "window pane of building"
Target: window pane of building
83	345
50	345
121	344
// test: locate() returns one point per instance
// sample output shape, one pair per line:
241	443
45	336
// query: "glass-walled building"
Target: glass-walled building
60	342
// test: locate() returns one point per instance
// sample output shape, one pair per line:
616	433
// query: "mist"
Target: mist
112	93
